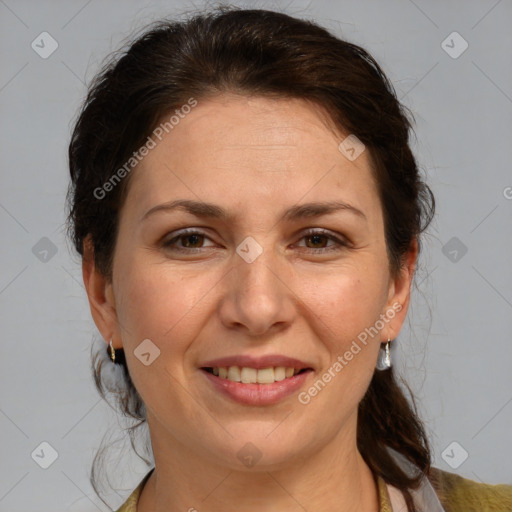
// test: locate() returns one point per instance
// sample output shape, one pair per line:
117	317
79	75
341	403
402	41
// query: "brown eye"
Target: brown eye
191	240
317	240
187	241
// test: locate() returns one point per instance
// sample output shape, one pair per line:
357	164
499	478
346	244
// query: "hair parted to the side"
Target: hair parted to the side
262	53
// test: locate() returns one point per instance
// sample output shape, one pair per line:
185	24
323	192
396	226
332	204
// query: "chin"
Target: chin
259	449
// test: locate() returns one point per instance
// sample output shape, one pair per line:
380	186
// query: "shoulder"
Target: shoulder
459	494
456	494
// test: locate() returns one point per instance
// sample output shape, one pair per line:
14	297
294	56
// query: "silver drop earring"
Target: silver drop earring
384	359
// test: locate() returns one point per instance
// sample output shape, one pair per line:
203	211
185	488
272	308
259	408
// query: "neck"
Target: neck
335	479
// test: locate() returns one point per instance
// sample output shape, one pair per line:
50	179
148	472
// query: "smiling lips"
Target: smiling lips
256	381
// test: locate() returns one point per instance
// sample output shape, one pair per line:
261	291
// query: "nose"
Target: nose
258	300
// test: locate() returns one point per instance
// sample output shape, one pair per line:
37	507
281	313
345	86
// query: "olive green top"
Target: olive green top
456	494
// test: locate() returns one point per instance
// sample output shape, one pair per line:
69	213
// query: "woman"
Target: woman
248	211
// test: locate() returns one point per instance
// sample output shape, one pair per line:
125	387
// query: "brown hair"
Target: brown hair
254	52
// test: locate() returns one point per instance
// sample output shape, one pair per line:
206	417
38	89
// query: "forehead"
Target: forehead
250	148
238	125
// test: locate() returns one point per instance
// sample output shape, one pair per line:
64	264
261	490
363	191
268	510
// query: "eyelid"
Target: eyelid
176	235
339	240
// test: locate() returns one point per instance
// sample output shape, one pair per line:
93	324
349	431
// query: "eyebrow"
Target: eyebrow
209	210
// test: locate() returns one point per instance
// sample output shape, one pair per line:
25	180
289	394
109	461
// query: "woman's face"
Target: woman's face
261	279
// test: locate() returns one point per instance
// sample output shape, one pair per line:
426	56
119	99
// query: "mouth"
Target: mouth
256	380
248	375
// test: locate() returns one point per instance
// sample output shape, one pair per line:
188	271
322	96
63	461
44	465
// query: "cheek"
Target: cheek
346	300
159	302
345	307
165	303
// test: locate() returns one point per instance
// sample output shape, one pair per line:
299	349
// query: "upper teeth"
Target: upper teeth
253	375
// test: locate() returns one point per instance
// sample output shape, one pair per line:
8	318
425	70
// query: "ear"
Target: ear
100	295
399	293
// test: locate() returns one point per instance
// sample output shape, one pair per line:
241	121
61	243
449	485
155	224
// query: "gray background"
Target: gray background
457	352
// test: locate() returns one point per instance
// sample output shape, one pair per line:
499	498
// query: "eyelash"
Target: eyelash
313	232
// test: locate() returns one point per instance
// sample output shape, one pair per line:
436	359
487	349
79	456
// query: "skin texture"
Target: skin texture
254	157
